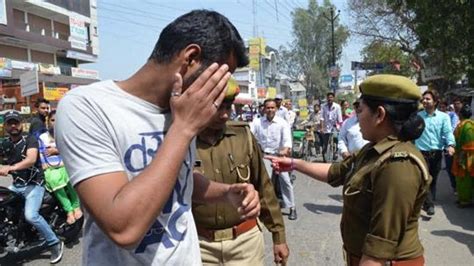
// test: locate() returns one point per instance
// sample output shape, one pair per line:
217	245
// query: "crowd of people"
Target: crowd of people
167	178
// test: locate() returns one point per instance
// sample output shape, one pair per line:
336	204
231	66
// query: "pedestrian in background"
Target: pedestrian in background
448	159
463	161
38	121
384	185
274	137
331	120
350	138
436	138
281	110
346	110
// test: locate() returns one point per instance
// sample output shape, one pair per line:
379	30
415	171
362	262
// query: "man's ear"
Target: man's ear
192	55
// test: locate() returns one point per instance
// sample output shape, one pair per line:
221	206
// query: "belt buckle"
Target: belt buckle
224	234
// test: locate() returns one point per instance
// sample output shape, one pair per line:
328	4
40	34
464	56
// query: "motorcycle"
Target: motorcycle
19	239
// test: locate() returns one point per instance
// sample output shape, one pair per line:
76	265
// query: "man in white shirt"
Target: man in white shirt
281	110
291	114
350	137
331	119
274	137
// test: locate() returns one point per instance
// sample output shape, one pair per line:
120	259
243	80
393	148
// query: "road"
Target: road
314	239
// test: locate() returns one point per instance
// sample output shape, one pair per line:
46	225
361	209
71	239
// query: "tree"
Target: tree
398	61
435	34
311	50
389	30
445	31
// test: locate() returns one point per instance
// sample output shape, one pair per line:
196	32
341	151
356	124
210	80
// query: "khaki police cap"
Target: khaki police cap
393	88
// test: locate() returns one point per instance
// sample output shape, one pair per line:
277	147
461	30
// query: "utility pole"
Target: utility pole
333	71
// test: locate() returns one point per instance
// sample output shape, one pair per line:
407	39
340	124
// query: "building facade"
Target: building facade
42	44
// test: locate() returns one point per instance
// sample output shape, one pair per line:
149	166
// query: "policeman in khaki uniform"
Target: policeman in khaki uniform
385	183
228	153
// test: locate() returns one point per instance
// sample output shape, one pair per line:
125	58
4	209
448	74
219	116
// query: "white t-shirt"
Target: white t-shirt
272	135
101	129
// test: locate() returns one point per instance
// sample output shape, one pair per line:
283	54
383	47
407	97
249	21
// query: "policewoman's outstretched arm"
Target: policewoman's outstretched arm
318	171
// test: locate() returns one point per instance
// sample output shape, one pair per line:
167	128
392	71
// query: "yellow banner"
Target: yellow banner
271	93
54	93
254	63
302	103
256	49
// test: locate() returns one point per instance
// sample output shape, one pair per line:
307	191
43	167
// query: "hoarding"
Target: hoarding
29	83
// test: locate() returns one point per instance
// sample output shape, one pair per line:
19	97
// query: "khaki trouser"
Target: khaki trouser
246	249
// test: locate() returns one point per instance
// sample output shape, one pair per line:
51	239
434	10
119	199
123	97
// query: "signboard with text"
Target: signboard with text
54	93
78	33
367	66
29	83
84	73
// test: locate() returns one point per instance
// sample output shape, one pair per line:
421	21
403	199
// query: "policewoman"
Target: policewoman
385	183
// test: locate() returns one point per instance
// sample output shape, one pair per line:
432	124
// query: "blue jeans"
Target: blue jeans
33	195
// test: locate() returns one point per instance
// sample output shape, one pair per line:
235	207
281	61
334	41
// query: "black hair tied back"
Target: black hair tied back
412	128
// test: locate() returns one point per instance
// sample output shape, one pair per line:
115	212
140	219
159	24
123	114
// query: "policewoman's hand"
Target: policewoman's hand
245	198
193	109
281	164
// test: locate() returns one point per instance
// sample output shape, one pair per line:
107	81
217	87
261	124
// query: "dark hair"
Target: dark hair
330	93
213	32
404	116
457	99
267	101
51	114
465	112
40	101
434	94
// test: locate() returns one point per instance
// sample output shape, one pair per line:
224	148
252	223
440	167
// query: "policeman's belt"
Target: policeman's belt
228	233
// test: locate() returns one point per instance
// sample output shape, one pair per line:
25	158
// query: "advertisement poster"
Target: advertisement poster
3	13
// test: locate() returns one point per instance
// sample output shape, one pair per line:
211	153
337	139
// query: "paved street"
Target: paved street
314	238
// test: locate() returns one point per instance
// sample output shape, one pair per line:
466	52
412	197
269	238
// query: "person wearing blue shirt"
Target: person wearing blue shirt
437	136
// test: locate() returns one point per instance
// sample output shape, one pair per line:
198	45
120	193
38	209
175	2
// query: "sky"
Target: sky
129	29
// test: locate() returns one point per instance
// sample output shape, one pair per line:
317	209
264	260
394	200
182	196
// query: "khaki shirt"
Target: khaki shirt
382	208
223	162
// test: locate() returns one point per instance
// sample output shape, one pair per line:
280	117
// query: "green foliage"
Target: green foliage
436	34
311	51
445	30
390	54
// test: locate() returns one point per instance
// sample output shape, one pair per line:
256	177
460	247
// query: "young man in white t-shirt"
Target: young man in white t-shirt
129	146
